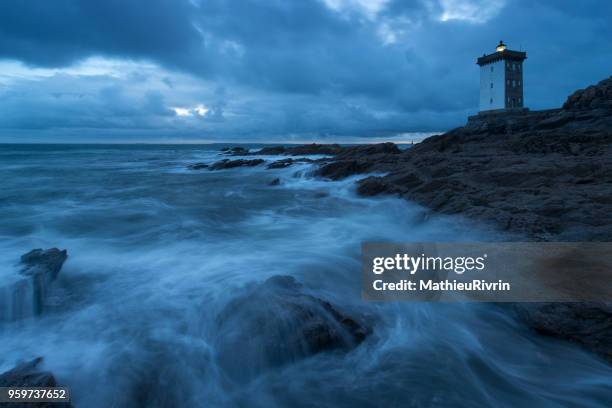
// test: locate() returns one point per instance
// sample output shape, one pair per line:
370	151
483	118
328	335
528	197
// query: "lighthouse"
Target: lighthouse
501	79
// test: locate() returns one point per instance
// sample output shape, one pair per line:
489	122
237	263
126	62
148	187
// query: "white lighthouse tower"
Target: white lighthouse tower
501	79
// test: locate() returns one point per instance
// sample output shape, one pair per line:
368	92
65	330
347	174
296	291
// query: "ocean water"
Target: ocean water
157	251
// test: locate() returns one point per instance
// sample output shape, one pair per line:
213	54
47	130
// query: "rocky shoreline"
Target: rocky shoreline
543	175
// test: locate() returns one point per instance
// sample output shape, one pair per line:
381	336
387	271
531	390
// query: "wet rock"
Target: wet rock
230	164
369	150
337	170
588	324
25	296
197	166
278	322
373	186
239	151
235	151
28	375
45	263
302	150
274	182
280	164
540	173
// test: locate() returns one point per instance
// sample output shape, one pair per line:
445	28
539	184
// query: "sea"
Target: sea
157	251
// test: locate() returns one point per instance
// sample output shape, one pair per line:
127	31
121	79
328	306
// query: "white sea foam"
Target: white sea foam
156	253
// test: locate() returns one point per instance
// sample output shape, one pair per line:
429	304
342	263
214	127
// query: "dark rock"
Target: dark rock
277	322
373	186
521	160
235	151
280	164
229	164
337	170
369	150
26	296
47	263
28	375
197	166
239	151
274	182
589	324
594	97
301	150
275	150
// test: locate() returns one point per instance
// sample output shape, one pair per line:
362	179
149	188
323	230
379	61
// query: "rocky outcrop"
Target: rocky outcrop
197	166
25	295
28	375
230	164
301	150
235	151
543	174
281	164
277	322
594	97
589	324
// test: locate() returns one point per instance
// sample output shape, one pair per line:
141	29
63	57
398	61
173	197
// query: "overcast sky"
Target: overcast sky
271	70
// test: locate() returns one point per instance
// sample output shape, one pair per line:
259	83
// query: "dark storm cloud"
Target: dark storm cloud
303	66
59	32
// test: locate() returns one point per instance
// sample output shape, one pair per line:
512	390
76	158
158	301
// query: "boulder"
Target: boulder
277	322
337	170
586	323
274	182
27	374
372	186
25	296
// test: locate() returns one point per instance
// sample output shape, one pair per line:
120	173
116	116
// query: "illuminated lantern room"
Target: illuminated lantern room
501	79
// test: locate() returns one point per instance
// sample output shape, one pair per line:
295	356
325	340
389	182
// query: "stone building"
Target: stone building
501	79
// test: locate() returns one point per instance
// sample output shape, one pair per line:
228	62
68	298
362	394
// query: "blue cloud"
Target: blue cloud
263	69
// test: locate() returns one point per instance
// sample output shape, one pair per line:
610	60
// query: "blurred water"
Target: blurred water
156	251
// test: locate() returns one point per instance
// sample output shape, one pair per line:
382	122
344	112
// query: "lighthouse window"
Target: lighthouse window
491	85
491	101
513	83
492	68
